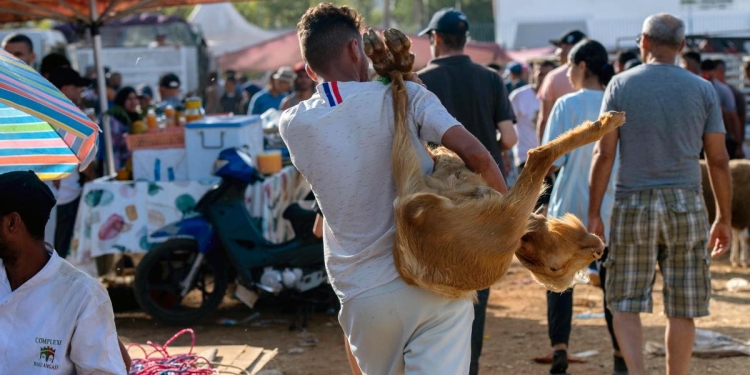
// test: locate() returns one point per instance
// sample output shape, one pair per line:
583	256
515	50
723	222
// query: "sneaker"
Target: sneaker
620	367
559	363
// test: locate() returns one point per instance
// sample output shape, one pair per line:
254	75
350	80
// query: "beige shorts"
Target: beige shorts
402	329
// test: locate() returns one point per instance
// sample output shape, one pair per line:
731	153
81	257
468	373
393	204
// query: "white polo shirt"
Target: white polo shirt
58	322
341	140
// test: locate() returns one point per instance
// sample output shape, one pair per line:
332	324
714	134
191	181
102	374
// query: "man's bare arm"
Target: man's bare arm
545	108
508	136
733	126
717	161
605	152
475	155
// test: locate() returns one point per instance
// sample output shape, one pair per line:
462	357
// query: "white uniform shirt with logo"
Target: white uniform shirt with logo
341	140
58	322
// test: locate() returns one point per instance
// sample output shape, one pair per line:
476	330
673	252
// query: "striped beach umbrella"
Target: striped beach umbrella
40	129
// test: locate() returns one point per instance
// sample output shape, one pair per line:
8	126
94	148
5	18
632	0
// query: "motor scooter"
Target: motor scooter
184	278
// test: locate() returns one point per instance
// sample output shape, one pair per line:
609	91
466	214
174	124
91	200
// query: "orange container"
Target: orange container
269	162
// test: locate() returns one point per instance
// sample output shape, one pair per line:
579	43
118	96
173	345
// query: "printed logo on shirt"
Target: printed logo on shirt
47	353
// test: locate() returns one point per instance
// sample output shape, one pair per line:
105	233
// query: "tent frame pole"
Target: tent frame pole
109	166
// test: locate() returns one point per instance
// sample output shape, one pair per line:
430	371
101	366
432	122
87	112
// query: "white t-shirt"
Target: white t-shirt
70	189
341	140
58	322
526	107
571	191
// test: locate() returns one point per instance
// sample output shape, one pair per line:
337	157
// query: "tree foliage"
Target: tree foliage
408	15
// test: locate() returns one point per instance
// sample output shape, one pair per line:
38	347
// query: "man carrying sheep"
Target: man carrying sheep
659	216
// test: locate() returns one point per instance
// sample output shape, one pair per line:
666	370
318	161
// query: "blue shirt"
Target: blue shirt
263	101
571	191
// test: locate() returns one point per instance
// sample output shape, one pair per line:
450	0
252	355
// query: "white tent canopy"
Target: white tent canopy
225	30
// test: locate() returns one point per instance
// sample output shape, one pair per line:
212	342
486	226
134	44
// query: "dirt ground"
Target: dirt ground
516	330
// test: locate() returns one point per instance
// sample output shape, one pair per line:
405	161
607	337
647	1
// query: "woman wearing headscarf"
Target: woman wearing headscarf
123	114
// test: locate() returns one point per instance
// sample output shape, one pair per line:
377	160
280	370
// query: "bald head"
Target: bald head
664	30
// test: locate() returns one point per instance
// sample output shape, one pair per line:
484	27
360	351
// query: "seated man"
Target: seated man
52	316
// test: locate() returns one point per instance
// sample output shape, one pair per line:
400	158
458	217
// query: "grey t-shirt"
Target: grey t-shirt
726	97
668	110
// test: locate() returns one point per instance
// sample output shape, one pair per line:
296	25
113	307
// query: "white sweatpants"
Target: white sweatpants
402	329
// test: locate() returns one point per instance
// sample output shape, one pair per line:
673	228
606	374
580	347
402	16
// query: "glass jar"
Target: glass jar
193	109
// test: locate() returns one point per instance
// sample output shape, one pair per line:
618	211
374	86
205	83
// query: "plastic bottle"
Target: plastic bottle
169	114
151	119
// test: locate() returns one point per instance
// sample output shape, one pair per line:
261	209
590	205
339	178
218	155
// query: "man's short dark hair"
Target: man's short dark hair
495	66
708	65
719	63
324	30
454	42
548	63
625	56
52	62
19	38
692	55
24	193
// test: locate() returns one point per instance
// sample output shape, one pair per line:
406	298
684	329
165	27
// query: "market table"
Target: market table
116	217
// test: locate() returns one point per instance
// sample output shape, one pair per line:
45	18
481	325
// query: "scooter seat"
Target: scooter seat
302	220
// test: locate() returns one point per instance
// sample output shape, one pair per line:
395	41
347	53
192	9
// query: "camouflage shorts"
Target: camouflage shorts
668	227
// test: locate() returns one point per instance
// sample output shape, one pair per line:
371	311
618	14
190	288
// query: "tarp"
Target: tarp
80	10
225	29
526	55
284	50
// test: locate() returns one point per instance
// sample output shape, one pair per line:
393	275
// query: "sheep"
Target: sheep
454	234
740	170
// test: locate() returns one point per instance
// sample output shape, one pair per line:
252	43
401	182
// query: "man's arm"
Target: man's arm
545	107
508	136
475	156
605	152
504	116
125	355
717	162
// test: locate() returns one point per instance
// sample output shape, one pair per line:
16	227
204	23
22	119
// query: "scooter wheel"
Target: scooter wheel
158	277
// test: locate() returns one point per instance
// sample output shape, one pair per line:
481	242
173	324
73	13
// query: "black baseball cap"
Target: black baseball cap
170	81
570	37
67	76
23	192
448	21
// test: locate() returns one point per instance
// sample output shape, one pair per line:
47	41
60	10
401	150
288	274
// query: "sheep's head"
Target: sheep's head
554	250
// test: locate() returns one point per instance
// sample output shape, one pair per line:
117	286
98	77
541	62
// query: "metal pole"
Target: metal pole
109	158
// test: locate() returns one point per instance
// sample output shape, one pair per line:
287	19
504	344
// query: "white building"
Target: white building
615	23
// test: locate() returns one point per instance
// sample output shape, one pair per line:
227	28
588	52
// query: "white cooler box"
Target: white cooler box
206	138
169	164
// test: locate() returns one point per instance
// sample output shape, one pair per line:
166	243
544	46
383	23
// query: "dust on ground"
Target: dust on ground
515	331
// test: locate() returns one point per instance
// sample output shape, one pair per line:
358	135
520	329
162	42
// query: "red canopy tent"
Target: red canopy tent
284	51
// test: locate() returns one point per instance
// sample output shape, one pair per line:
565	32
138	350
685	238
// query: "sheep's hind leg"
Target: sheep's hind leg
526	190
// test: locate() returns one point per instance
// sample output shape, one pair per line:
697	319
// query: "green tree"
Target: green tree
413	15
283	14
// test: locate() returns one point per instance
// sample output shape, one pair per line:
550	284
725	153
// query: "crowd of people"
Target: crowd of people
46	304
639	188
647	213
235	94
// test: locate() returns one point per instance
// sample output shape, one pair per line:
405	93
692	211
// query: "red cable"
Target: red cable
186	364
